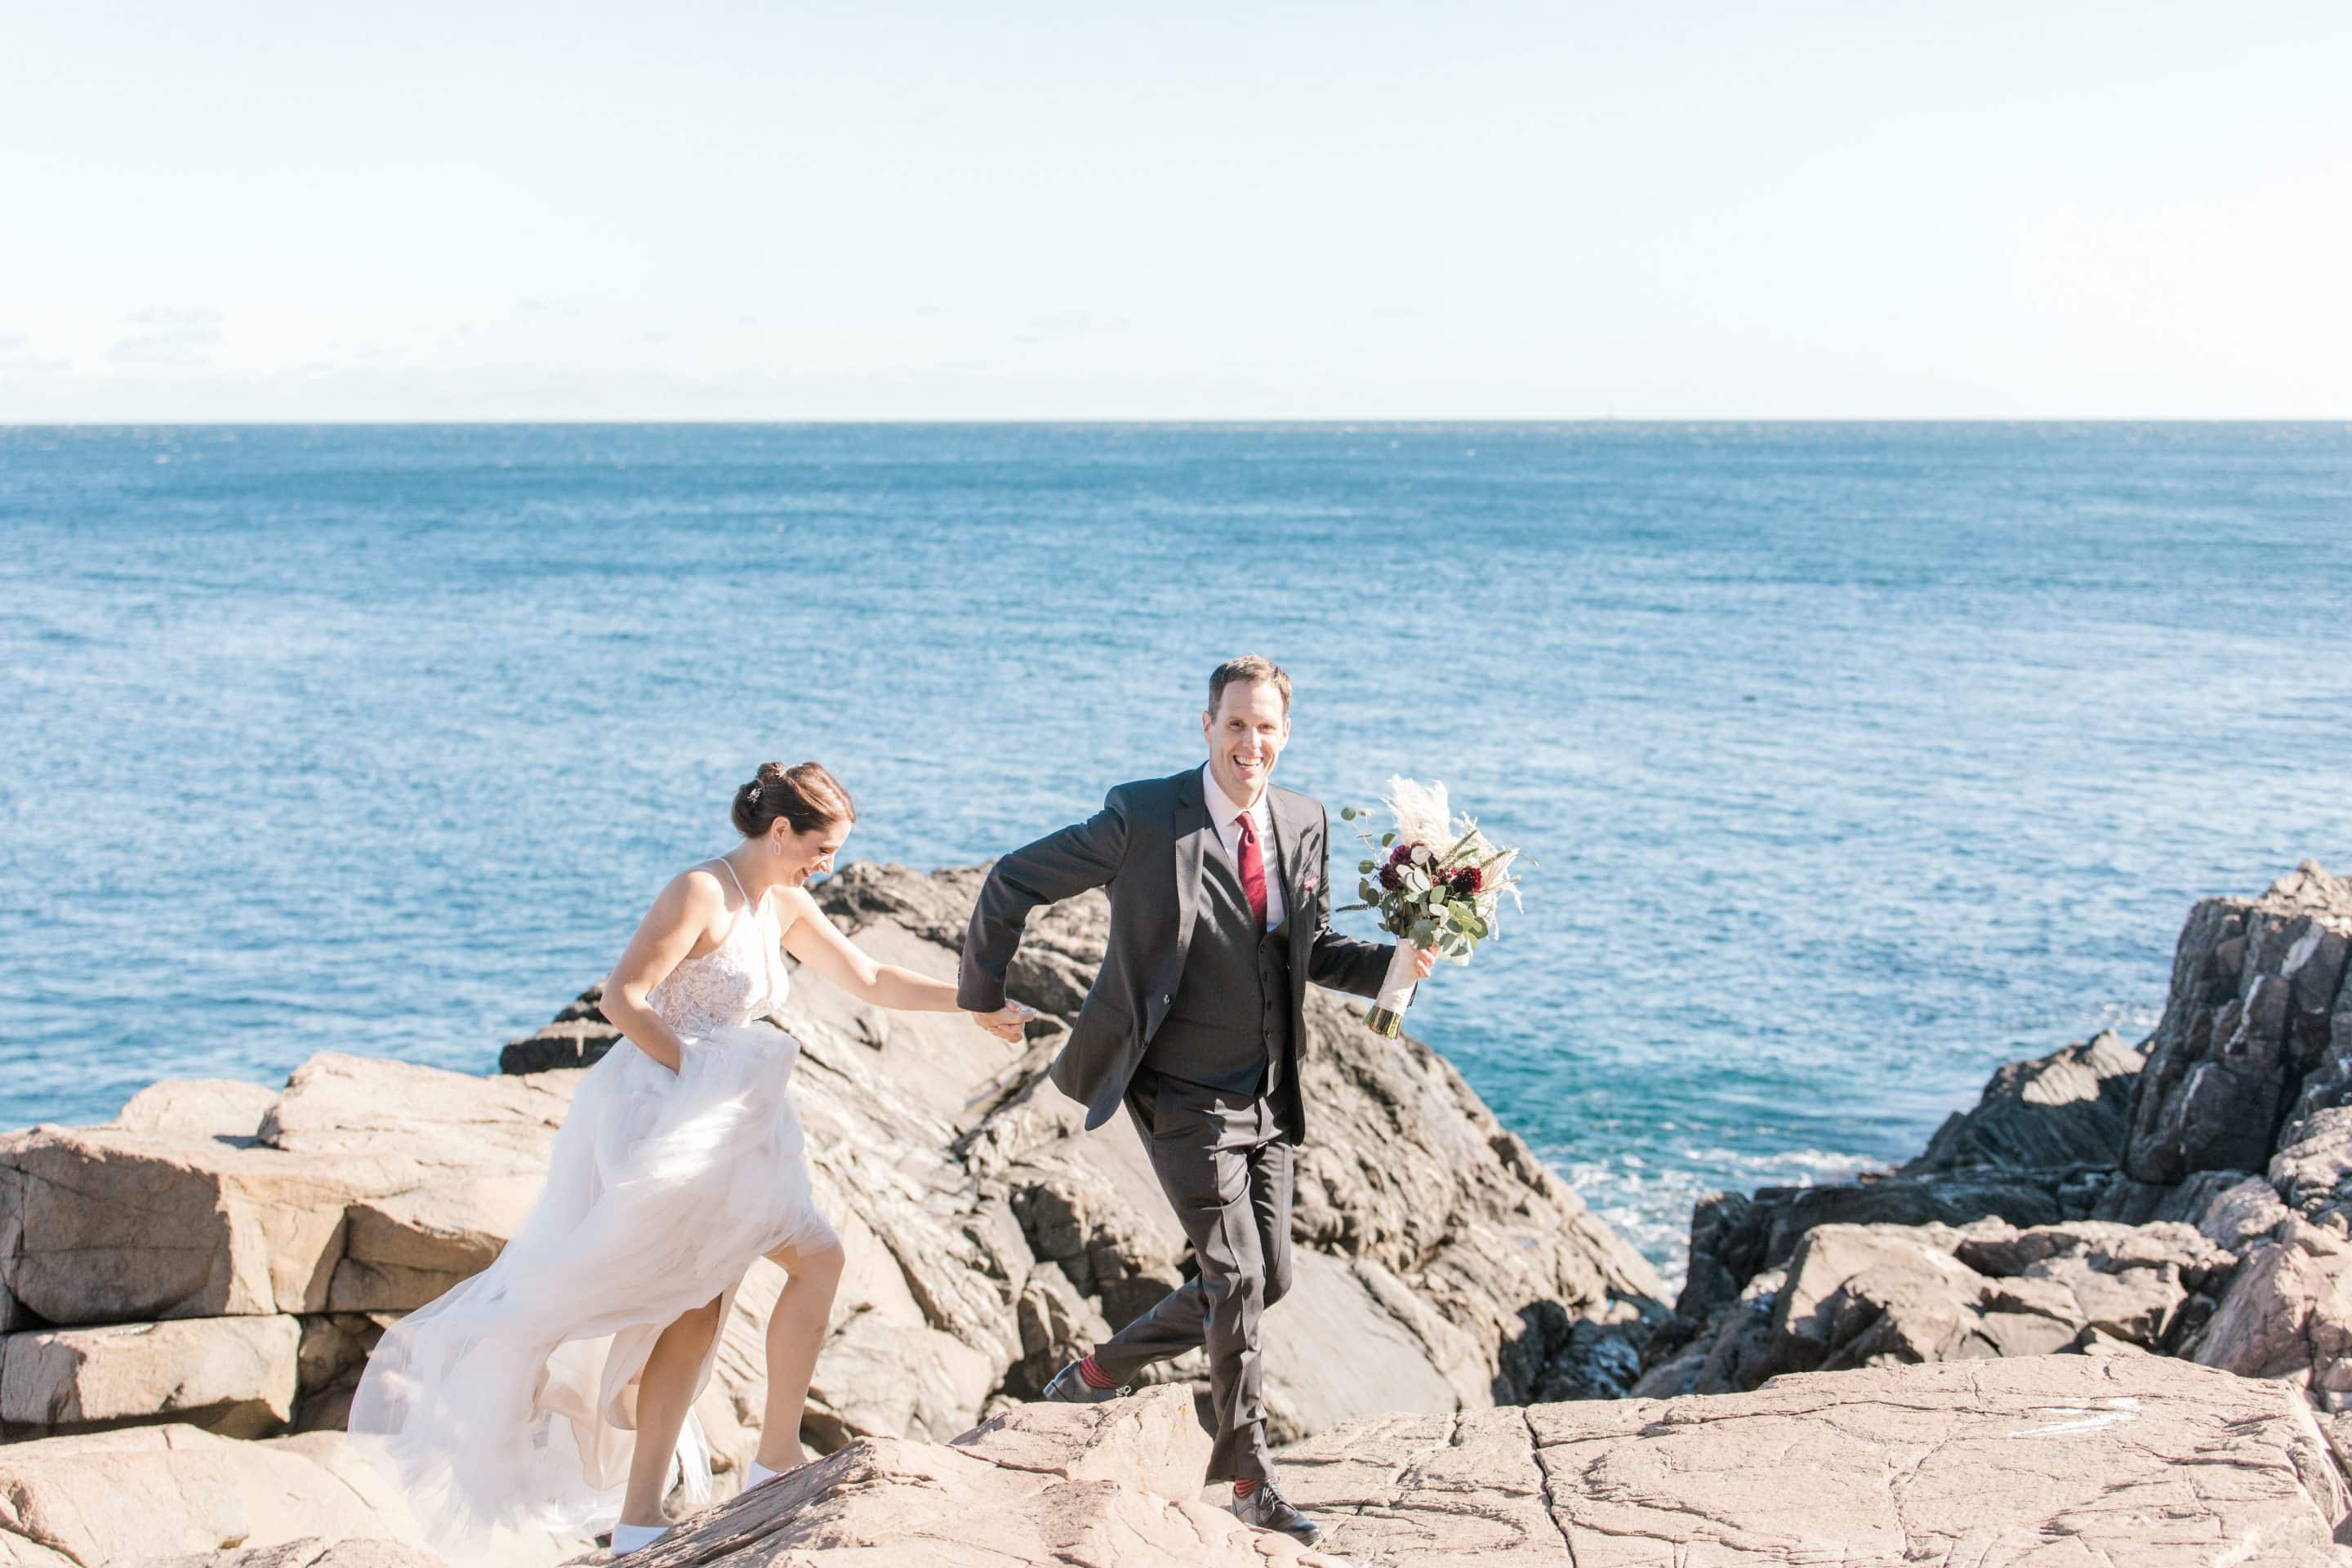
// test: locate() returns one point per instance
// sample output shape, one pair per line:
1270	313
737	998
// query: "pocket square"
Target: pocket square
1309	882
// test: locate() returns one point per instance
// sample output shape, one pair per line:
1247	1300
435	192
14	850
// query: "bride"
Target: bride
557	1384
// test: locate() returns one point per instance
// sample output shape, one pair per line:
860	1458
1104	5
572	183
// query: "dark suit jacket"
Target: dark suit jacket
1146	846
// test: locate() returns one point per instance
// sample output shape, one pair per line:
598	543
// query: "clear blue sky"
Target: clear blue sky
235	210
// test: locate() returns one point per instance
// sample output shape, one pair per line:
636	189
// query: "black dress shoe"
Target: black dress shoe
1268	1509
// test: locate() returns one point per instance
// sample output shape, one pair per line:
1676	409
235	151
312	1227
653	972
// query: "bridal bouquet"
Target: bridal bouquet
1435	881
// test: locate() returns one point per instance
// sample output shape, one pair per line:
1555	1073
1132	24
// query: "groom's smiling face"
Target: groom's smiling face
1246	734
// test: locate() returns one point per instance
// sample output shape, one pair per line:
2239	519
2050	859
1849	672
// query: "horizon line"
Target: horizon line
1218	422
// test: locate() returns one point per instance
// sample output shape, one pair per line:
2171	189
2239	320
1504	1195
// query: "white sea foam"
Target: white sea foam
1651	1204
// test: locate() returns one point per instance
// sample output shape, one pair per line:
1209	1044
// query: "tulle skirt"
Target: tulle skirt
509	1404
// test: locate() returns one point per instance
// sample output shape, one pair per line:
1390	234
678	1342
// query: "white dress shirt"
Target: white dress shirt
1225	812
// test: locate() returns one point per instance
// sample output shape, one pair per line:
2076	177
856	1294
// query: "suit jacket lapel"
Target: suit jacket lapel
1293	833
1191	831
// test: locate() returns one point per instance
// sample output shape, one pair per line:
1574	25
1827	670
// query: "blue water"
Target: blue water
1858	759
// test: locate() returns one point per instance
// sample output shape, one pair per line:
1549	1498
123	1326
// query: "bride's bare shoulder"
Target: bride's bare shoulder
698	892
798	904
699	879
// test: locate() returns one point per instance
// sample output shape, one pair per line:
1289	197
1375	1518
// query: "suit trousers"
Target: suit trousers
1223	1160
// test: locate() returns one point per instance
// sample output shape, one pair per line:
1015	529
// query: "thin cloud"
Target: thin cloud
16	358
1070	326
176	335
176	316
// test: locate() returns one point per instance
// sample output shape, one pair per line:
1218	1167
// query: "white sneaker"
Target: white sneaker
757	1473
627	1538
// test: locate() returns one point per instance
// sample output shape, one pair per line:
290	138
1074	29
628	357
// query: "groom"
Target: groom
1220	910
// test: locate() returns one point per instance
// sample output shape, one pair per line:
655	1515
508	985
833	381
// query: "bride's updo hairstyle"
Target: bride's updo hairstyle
805	795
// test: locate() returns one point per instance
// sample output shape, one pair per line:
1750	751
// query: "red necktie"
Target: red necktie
1253	869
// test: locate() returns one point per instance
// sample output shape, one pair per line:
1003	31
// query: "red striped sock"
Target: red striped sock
1244	1485
1093	1375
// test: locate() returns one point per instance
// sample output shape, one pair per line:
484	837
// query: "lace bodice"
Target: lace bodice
741	979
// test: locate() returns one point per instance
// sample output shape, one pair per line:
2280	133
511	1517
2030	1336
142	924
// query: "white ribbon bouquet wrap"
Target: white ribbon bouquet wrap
1434	880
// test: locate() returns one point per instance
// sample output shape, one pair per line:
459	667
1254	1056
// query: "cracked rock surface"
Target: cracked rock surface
2041	1460
2031	1462
1104	1485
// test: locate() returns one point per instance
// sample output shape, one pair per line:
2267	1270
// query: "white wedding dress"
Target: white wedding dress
509	1404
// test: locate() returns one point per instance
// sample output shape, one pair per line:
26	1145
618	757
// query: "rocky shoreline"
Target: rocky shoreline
2187	1198
2139	1258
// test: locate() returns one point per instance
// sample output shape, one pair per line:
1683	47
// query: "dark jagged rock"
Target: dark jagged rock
1727	1250
1877	1295
2068	1109
1052	972
2227	1206
2039	1146
2237	1146
2251	1015
578	1037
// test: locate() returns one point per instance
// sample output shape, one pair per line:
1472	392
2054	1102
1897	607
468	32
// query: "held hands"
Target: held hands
1007	1022
1424	961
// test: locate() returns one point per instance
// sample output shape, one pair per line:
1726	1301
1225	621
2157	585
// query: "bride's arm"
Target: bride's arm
677	921
817	941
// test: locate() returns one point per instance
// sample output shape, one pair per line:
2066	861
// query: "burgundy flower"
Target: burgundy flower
1467	881
1402	853
1389	877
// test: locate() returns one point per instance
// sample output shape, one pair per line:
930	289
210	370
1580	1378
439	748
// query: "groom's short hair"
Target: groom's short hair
1249	666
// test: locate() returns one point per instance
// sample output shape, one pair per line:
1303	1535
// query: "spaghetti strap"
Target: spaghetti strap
748	911
720	861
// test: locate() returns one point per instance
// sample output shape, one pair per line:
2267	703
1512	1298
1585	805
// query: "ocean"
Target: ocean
1856	760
